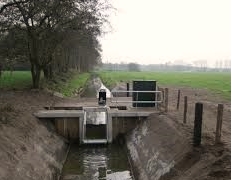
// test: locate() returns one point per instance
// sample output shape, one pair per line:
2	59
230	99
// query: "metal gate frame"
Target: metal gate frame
82	126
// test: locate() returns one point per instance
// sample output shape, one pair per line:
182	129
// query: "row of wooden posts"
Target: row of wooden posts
198	117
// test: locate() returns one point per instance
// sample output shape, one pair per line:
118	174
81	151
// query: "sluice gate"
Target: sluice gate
102	123
94	124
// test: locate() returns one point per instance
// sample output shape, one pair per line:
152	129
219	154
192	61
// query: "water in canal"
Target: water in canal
97	162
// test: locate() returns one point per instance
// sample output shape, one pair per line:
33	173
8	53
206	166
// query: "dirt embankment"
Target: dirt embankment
210	102
155	146
29	149
161	147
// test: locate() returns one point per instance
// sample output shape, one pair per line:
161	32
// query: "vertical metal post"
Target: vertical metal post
178	100
197	124
166	99
185	109
137	99
219	123
127	88
157	98
81	128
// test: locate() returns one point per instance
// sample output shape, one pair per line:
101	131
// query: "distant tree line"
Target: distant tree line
162	67
53	36
121	66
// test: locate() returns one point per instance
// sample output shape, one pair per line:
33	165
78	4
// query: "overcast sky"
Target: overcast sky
158	31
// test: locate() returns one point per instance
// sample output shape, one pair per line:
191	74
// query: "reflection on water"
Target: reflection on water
94	162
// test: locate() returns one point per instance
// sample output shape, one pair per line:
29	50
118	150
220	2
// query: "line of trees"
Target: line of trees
160	67
54	36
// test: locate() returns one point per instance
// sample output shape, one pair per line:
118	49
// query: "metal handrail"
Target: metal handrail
137	101
119	91
137	91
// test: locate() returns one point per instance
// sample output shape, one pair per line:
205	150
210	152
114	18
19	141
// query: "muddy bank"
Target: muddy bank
155	146
161	149
29	149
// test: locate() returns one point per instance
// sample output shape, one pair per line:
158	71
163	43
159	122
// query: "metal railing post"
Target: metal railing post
137	99
127	88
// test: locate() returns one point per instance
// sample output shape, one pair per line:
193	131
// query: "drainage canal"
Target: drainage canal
96	162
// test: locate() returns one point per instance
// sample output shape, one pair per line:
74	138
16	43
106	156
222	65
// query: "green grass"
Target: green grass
15	80
77	82
67	84
219	83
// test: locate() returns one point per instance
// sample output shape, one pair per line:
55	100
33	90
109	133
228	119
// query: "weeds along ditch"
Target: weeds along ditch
68	84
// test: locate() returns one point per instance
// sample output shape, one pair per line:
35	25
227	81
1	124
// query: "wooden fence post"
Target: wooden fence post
185	109
158	96
127	88
178	100
166	100
162	89
197	124
219	123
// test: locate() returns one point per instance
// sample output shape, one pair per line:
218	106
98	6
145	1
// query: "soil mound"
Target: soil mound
29	149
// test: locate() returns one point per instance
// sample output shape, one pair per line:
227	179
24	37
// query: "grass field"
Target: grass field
65	84
219	83
16	80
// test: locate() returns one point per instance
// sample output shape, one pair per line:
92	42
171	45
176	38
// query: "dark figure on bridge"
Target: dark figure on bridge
102	97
